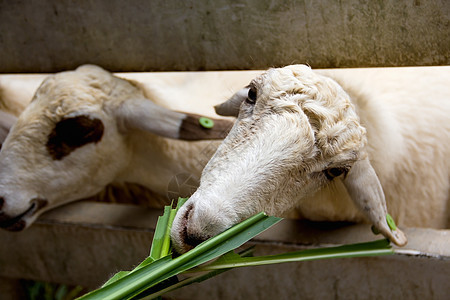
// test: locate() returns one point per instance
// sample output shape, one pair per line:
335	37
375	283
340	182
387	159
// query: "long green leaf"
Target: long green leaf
155	270
158	248
202	277
120	288
161	240
210	249
116	277
233	260
161	245
166	247
149	275
224	242
181	202
379	247
160	231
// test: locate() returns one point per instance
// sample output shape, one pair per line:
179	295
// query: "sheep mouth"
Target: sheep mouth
19	223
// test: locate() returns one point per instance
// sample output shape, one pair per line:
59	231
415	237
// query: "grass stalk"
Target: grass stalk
160	265
376	248
149	275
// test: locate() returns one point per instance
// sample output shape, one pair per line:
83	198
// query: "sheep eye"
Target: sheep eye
251	97
335	172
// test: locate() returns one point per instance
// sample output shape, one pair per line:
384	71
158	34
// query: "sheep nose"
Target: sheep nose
185	235
193	240
190	239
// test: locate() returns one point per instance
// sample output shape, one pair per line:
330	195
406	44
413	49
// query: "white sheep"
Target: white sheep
303	143
85	129
6	121
16	91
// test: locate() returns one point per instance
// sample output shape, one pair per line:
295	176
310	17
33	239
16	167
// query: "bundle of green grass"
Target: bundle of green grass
157	274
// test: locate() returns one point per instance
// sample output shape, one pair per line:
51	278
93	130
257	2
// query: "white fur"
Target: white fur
386	101
126	152
6	121
304	123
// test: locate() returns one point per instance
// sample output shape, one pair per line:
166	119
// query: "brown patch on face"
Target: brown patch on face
191	130
72	133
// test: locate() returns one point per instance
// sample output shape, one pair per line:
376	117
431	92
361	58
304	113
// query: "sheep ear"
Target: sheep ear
143	114
6	122
231	107
366	192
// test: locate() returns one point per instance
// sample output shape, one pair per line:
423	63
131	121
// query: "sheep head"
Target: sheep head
71	141
296	131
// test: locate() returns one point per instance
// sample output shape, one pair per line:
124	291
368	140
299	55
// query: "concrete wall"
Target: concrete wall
85	243
141	35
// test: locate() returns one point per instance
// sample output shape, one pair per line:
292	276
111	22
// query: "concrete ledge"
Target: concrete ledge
55	35
84	243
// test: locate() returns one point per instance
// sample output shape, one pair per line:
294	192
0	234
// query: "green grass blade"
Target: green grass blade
161	245
161	240
380	247
212	248
145	262
121	287
226	242
116	277
147	276
181	202
165	247
201	277
150	272
160	231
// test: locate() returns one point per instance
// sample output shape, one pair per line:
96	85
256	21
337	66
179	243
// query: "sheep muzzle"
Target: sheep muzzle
19	222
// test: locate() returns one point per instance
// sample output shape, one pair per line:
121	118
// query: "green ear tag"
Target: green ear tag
390	222
206	122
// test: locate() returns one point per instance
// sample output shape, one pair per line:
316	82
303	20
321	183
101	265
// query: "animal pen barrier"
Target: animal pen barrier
85	242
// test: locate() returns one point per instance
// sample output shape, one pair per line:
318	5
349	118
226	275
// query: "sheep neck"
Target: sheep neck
155	161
